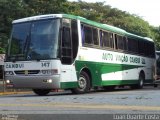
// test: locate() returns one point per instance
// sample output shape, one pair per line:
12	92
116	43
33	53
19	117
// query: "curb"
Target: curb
13	93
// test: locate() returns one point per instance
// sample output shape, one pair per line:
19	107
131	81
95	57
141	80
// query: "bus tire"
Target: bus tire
140	82
155	85
83	84
41	92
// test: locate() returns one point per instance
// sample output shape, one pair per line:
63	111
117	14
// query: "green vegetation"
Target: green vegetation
15	9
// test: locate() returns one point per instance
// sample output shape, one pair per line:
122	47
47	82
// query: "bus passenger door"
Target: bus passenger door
69	49
66	52
66	42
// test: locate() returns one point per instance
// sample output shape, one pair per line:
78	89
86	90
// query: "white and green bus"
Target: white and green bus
62	51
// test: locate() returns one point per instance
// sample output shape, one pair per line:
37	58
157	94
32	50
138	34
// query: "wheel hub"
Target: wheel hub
82	83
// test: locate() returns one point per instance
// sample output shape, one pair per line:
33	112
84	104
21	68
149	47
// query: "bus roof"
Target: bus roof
84	20
96	24
38	17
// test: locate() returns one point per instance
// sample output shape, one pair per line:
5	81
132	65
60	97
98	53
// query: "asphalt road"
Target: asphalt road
94	104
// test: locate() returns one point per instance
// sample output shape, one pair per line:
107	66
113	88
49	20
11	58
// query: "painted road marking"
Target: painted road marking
87	106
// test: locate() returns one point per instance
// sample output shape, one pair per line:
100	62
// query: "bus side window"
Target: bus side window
82	34
141	47
120	42
133	45
110	40
105	40
95	36
125	43
101	36
88	35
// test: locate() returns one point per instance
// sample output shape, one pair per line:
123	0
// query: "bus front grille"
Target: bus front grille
26	72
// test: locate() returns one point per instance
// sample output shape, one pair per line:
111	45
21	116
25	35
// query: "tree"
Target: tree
156	36
9	9
15	9
105	14
38	7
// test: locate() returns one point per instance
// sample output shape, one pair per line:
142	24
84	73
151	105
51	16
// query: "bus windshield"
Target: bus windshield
36	40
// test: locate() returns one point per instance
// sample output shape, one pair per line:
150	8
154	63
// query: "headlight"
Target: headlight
8	81
9	73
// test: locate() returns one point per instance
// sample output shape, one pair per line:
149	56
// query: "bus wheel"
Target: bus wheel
83	84
41	92
140	82
155	85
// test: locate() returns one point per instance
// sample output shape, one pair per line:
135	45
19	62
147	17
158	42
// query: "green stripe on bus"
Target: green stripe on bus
65	85
99	68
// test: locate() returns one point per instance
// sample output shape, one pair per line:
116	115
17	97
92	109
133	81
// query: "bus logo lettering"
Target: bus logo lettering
14	65
107	56
143	61
134	60
121	58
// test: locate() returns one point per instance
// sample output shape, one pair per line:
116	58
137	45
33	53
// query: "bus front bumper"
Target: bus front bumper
33	82
157	81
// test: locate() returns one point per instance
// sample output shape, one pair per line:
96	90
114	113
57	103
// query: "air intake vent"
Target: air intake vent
26	72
